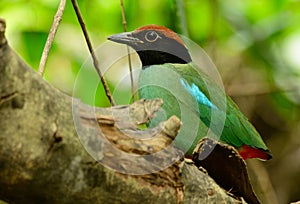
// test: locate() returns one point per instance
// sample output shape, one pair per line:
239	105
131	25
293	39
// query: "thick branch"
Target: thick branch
43	159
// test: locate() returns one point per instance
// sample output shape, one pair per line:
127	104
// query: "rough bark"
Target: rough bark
43	160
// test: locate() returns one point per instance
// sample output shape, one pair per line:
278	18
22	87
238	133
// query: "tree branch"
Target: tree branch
90	47
43	158
51	35
124	22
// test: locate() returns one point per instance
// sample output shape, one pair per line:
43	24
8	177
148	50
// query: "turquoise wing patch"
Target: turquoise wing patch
194	90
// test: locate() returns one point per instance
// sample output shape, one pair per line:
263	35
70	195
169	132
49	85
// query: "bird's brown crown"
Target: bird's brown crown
163	30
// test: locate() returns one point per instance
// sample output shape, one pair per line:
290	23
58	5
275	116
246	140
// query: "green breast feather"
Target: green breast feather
190	94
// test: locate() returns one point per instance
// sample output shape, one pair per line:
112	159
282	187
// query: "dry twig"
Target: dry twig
89	44
124	22
54	27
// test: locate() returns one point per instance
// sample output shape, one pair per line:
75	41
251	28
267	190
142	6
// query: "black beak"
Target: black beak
125	38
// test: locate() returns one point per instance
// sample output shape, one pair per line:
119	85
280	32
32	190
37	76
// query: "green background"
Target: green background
255	45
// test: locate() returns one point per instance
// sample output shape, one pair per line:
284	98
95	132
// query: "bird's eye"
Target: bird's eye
151	36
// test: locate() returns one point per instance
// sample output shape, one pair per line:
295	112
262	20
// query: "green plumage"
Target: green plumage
220	113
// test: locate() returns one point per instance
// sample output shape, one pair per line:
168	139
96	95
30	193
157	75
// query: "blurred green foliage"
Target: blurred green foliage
254	29
254	43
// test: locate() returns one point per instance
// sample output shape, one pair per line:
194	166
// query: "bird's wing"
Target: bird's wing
213	102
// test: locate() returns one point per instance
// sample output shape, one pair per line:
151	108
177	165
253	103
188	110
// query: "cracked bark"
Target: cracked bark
42	159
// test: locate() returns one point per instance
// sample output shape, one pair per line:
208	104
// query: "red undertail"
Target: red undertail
248	152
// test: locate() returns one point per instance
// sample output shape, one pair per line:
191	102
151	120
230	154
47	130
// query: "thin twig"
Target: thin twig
54	27
128	54
89	44
180	13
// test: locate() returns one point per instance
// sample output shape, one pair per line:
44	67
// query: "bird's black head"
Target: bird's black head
155	45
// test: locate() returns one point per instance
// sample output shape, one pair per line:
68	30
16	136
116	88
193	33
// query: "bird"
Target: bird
169	73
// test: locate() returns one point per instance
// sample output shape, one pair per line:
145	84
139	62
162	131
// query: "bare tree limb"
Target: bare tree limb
90	47
54	27
124	22
43	159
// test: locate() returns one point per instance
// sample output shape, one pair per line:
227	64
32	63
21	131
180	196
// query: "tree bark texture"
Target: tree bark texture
43	160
